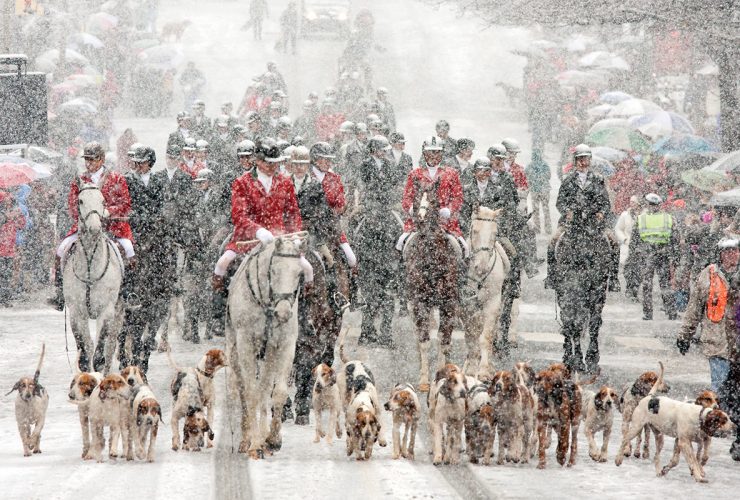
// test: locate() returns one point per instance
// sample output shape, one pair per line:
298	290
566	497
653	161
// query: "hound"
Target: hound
325	395
480	422
514	409
629	400
195	429
447	413
598	416
134	376
146	414
109	406
355	376
706	399
192	389
362	423
80	389
559	408
687	422
405	408
30	409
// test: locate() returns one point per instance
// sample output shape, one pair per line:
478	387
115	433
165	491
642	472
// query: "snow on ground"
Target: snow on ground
438	65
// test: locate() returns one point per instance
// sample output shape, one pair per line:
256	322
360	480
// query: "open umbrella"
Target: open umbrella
661	124
165	56
726	163
619	138
87	39
603	59
614	97
710	69
729	198
579	43
49	60
15	174
609	123
101	22
602	166
609	154
633	107
585	79
79	105
683	144
599	111
706	180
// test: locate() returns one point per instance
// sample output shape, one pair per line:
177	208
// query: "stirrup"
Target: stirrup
131	302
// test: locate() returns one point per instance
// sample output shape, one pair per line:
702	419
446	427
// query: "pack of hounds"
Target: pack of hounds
522	407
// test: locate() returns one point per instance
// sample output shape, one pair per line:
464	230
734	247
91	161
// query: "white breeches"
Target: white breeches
223	263
351	258
229	255
464	244
128	247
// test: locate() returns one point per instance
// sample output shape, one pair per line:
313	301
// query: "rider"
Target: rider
584	203
117	207
449	192
263	203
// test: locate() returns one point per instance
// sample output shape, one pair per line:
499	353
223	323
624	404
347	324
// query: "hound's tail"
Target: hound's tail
38	368
658	382
172	361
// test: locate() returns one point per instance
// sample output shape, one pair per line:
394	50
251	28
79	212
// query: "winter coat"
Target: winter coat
146	207
178	206
500	193
517	173
449	195
668	250
318	216
117	202
717	339
538	175
584	201
11	221
253	208
380	184
177	138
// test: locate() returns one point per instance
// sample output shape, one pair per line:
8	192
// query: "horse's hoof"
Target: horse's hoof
256	454
423	387
163	346
271	446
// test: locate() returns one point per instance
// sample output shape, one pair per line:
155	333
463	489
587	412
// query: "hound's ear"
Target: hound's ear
192	410
16	387
138	415
159	412
143	377
497	212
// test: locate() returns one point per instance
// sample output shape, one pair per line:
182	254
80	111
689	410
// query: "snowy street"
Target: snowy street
437	65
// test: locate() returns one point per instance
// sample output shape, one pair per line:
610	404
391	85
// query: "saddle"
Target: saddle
457	249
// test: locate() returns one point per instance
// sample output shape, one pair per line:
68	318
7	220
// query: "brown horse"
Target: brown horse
431	277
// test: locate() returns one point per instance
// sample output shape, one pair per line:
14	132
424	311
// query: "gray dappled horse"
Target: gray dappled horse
92	277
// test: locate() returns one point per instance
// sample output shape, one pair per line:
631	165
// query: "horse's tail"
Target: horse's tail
172	361
658	383
38	368
342	335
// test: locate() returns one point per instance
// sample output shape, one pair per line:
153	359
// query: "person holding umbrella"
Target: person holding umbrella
11	221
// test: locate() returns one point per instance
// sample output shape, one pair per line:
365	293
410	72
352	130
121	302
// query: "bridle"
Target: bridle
270	299
88	280
487	249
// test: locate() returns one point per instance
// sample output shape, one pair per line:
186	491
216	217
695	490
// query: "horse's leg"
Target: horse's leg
447	316
473	339
81	331
421	320
491	315
596	305
282	362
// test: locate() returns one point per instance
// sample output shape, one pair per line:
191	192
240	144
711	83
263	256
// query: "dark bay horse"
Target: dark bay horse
431	277
582	266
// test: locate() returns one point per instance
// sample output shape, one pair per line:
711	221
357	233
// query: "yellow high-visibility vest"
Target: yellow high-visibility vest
655	228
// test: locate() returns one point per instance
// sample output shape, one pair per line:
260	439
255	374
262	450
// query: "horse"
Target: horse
431	277
581	272
261	335
92	277
488	268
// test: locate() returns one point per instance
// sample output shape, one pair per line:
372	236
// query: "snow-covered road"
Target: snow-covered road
438	65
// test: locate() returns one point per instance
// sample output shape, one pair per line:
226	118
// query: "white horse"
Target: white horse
261	334
92	277
489	266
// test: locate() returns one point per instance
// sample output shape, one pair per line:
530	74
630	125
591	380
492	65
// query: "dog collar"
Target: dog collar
205	374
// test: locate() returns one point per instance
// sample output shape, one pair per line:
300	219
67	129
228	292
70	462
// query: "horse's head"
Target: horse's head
91	209
426	205
484	229
286	266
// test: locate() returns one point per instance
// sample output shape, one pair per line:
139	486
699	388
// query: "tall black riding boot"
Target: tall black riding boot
592	355
128	293
550	279
735	448
57	300
218	307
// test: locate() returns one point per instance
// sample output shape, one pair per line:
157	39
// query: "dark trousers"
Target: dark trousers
657	263
6	279
141	328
